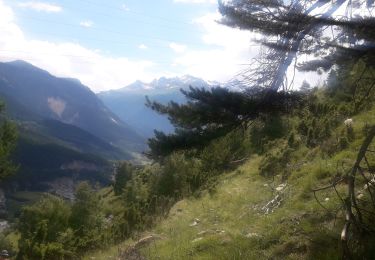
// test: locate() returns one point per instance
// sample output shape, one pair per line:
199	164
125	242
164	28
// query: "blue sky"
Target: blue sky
117	27
110	44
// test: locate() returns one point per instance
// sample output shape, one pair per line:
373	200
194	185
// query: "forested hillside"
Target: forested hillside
35	95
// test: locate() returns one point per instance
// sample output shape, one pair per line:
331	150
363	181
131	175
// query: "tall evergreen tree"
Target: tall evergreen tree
292	29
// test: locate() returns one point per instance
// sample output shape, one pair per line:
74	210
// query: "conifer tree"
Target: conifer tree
211	113
332	31
290	29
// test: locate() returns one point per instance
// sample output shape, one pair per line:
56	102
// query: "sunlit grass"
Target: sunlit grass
228	223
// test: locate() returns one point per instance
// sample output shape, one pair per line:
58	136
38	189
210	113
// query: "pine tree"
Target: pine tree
294	28
211	113
290	29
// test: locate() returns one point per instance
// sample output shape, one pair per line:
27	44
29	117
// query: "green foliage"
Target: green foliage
123	175
266	129
179	177
7	243
292	142
8	138
150	191
86	218
276	161
352	85
44	229
317	121
55	229
210	114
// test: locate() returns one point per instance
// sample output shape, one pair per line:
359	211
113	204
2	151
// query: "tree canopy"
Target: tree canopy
210	113
326	33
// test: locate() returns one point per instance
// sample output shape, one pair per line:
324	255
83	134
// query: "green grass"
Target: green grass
233	226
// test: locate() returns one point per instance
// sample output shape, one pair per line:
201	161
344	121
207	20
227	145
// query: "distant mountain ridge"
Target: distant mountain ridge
163	84
65	129
34	93
129	102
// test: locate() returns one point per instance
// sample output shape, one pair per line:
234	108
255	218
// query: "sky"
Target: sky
110	44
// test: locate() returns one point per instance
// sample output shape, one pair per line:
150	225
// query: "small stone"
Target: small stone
326	199
250	235
197	239
281	187
193	224
202	233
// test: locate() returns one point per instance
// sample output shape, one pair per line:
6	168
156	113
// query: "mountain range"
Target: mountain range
61	122
66	130
129	102
32	94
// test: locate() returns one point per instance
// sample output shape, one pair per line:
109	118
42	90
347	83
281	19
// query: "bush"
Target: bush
44	230
276	162
123	175
343	143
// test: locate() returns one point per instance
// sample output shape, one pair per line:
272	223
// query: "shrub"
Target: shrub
43	228
276	162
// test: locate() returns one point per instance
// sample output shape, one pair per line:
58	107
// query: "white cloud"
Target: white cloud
66	59
227	49
143	46
196	1
86	24
41	6
179	48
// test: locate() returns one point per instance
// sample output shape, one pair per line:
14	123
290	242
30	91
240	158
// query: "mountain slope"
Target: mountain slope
250	216
129	102
45	96
69	136
40	164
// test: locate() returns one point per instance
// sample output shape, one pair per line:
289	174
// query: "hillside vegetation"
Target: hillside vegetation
250	216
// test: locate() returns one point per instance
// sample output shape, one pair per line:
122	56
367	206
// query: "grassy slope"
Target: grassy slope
233	226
